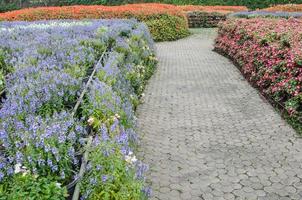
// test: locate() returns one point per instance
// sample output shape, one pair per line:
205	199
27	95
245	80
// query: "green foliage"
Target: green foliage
167	27
110	177
32	187
4	68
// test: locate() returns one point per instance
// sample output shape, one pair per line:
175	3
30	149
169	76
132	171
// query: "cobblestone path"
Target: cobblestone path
207	134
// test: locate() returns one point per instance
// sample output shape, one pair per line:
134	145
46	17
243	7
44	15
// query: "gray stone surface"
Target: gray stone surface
207	134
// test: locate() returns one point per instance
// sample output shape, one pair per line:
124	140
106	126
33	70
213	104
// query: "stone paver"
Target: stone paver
207	134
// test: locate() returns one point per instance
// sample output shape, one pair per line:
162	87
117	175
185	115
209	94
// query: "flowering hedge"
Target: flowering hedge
268	14
166	22
6	5
286	8
213	9
269	54
41	139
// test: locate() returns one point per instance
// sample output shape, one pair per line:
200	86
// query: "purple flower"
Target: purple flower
96	140
89	166
141	168
1	176
50	64
104	178
19	157
98	167
93	181
62	175
122	138
104	133
114	125
147	191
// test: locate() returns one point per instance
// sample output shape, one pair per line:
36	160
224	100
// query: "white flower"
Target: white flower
130	158
117	116
24	173
18	168
133	160
21	169
58	185
90	121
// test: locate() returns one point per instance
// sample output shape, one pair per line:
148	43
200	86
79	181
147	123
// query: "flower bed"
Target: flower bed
268	14
285	8
269	54
165	22
213	9
45	143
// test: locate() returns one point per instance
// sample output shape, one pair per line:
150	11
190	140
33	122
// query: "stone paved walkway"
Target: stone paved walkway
207	134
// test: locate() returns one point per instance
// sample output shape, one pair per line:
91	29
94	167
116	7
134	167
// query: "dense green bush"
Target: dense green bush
167	27
31	187
6	5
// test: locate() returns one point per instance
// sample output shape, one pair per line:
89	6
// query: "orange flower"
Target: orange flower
140	11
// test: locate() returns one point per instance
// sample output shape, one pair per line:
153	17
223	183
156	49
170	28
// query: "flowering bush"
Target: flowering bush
286	8
213	9
41	139
39	187
263	13
166	22
268	52
6	5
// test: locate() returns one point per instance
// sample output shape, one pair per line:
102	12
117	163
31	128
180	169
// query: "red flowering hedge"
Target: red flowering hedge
166	22
269	53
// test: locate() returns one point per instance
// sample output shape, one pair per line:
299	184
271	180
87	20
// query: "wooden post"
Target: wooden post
76	192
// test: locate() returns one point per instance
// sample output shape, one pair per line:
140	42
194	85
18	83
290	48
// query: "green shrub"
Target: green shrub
167	27
37	188
110	177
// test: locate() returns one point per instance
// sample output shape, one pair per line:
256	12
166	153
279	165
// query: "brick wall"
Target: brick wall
199	19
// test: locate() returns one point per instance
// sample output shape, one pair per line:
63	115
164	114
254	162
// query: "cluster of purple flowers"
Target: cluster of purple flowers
42	145
111	102
51	61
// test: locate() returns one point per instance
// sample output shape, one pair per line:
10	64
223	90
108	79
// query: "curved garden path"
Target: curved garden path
207	134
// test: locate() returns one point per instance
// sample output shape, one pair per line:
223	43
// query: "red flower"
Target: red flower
269	52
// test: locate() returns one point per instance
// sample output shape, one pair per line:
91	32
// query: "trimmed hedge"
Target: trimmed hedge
269	54
167	27
165	22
